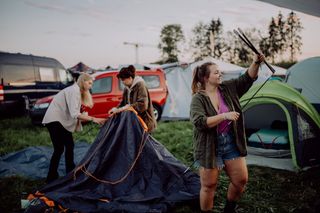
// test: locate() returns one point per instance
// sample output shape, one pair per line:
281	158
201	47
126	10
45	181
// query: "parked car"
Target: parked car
26	78
107	92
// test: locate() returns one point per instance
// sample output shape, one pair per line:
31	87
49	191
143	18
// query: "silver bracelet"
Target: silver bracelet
224	116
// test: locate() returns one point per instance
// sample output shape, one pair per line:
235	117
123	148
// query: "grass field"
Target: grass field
268	190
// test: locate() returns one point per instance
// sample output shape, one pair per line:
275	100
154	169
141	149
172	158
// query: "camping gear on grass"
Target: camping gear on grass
281	123
125	170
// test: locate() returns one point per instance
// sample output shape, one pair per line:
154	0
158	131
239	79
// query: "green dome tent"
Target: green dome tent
282	127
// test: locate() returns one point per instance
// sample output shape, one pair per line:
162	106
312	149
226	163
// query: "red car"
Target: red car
107	92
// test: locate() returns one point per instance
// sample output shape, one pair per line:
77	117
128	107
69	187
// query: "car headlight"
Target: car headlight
41	106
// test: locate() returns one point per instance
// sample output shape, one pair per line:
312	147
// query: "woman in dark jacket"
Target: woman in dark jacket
137	96
219	136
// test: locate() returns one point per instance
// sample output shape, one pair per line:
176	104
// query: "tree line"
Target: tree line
281	43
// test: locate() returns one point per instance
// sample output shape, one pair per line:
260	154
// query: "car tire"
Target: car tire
157	112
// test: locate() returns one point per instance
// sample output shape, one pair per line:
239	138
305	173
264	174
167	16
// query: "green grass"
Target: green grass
19	133
268	190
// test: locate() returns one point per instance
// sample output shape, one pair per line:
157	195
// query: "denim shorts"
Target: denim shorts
226	149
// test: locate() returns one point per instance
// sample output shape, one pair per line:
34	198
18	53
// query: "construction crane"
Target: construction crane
136	46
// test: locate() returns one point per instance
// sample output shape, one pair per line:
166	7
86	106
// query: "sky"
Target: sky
94	31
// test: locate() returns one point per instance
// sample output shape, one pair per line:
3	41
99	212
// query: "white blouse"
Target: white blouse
65	108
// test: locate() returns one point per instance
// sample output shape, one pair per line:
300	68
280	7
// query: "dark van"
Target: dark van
26	78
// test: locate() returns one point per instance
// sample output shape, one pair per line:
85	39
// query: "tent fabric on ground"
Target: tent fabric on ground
305	76
179	79
125	170
33	162
282	127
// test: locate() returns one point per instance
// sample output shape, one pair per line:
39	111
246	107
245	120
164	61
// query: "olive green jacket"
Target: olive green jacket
139	98
201	108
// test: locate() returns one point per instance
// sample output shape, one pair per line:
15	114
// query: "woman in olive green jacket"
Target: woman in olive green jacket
219	135
137	96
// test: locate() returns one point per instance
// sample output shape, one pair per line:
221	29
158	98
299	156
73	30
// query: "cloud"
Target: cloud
75	33
50	32
84	34
91	1
88	9
44	6
232	11
96	13
151	28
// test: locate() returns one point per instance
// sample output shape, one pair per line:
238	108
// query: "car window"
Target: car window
18	74
121	85
64	78
69	77
47	74
152	81
102	85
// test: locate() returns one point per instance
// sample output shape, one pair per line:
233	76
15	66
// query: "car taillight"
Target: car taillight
1	93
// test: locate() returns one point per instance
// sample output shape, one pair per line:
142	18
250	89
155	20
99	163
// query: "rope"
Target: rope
142	144
79	167
114	182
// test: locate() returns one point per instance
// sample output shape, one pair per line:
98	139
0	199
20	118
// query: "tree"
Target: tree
294	27
237	51
217	43
283	34
273	39
264	46
200	43
275	43
282	38
170	38
207	40
231	43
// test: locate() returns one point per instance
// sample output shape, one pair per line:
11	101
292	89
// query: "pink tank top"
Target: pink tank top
224	126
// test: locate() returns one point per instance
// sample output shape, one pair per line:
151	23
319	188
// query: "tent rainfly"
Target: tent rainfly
305	76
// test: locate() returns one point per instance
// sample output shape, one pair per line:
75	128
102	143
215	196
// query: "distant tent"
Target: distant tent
265	73
305	76
140	66
279	71
125	170
81	67
282	127
179	80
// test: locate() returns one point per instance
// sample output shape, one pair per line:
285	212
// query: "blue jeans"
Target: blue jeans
226	149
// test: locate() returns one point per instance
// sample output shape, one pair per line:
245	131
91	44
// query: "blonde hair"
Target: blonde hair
86	97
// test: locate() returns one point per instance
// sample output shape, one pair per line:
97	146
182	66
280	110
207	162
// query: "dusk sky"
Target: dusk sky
93	31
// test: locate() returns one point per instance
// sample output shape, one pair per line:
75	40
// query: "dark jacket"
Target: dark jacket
201	108
140	100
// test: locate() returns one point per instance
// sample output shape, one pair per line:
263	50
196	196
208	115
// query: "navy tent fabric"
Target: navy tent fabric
33	162
104	181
